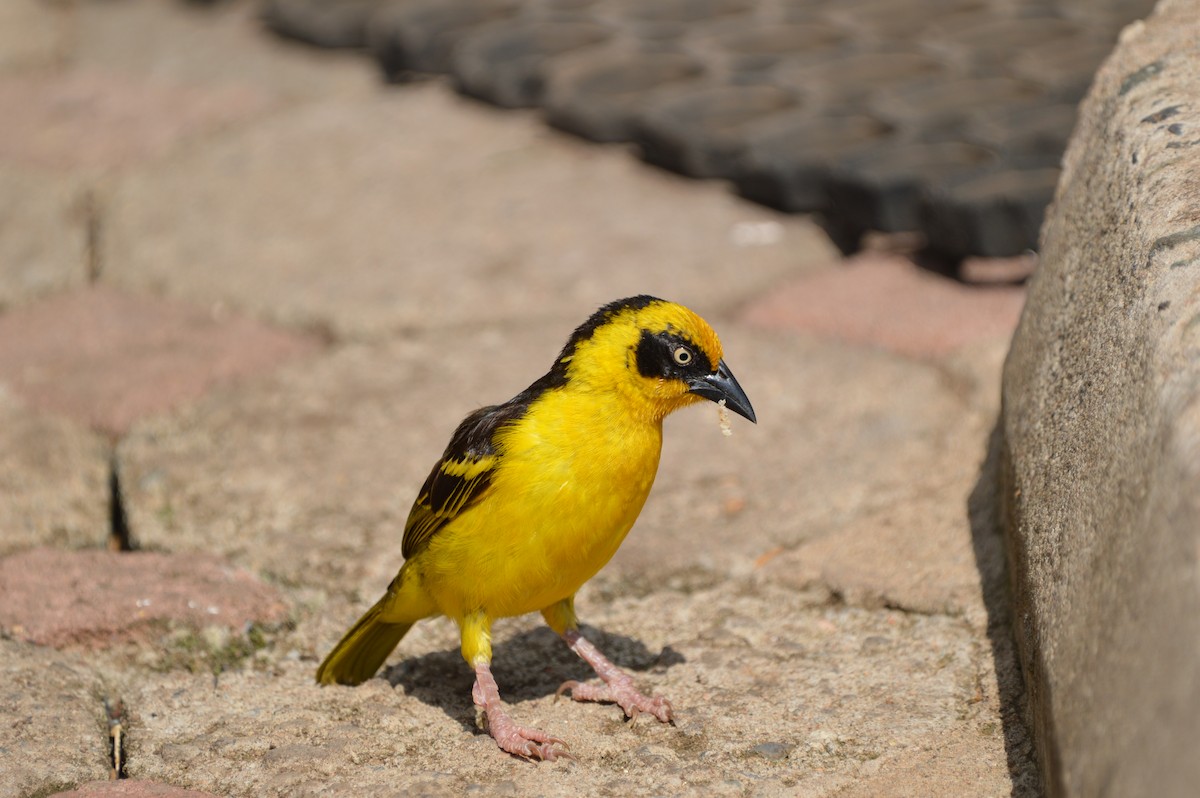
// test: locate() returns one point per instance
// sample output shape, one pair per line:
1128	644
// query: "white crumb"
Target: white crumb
723	418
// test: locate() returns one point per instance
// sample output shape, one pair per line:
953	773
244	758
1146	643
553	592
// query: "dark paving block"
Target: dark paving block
844	82
751	48
883	189
997	214
505	63
986	43
695	82
1024	132
890	21
421	36
688	10
324	23
600	97
787	164
701	133
944	105
1064	66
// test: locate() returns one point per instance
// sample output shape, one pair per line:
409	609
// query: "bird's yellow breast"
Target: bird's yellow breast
572	478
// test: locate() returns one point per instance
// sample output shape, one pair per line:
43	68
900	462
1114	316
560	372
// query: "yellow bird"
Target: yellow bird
533	496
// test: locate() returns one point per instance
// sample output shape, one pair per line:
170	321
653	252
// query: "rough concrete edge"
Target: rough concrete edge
1102	113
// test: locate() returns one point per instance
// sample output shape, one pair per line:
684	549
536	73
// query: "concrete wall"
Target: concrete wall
1100	434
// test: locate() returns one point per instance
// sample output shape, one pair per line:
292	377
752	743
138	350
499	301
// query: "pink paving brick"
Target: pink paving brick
108	358
96	120
889	302
96	598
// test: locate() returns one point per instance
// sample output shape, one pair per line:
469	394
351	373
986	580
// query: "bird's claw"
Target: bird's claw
622	693
525	742
552	749
534	744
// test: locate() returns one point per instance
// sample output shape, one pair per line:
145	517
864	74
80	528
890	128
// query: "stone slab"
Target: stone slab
1100	430
915	555
94	120
45	238
96	599
107	358
416	208
774	695
891	435
130	788
54	734
54	480
889	302
33	34
310	473
176	43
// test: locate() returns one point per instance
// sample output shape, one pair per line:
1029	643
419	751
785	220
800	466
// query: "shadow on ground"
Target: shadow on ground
987	540
528	666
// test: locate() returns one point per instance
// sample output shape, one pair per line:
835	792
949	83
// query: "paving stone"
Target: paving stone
54	480
883	188
423	36
844	82
322	23
33	34
699	134
87	119
44	236
349	438
992	271
523	238
749	51
176	42
54	734
100	598
728	661
506	62
993	215
601	95
131	788
888	302
107	358
723	505
916	555
788	161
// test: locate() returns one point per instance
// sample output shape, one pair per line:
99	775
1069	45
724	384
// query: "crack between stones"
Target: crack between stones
119	538
114	713
93	231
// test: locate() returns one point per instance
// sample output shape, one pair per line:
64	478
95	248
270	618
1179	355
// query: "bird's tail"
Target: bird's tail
362	650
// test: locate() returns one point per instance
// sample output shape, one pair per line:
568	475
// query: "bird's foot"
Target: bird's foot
517	740
621	692
617	686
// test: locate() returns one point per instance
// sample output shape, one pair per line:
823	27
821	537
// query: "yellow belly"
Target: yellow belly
569	487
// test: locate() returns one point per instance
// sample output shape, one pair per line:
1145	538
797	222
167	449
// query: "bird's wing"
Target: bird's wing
461	477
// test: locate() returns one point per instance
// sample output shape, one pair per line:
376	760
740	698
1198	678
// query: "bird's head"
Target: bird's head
659	355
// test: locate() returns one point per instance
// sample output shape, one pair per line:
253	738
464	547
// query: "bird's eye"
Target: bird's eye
682	355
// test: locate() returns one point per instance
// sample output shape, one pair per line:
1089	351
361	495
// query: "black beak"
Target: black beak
723	385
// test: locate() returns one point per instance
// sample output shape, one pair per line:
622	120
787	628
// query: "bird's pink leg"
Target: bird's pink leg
517	740
617	687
